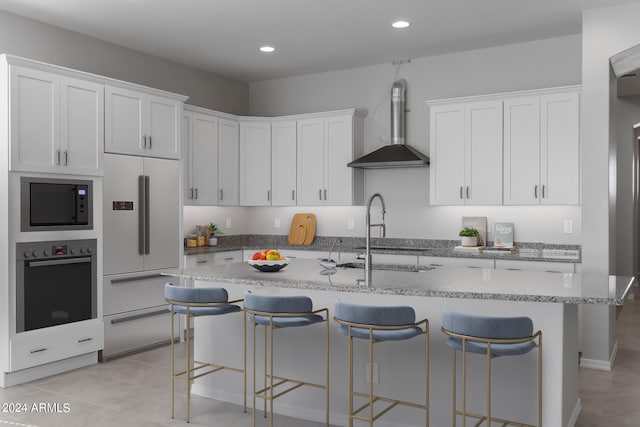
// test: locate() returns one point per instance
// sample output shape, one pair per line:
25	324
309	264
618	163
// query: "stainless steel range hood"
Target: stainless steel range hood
397	154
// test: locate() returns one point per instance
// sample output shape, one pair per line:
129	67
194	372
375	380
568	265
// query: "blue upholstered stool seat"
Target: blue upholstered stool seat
479	329
365	318
188	296
287	311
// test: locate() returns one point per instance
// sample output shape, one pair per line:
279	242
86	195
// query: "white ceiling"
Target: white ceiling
223	36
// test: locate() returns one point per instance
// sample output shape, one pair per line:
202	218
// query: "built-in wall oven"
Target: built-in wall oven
56	283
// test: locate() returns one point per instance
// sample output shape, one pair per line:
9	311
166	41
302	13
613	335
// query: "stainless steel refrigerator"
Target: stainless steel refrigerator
141	238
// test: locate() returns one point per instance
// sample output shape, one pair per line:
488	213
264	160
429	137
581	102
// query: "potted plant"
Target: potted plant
213	240
469	236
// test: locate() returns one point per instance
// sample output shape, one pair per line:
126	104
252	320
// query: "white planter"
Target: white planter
469	240
213	241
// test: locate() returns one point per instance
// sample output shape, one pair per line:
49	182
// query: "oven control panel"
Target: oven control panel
55	249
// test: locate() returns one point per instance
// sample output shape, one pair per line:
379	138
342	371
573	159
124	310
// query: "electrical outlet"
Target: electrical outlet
350	224
568	226
376	376
276	222
228	223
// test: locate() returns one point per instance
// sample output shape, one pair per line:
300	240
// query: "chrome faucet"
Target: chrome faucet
367	259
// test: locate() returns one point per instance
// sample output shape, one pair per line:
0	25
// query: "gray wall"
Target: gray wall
35	40
539	64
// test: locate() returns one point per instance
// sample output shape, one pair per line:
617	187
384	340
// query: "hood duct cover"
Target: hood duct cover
397	154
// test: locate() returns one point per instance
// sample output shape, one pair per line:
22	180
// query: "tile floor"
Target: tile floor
134	392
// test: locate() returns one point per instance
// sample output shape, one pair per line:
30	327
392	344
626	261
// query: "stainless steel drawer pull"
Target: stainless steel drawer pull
467	191
293	194
325	194
268	194
79	260
513	269
66	157
196	193
229	258
135	279
221	194
144	137
202	261
139	316
150	142
320	194
461	197
535	191
57	157
40	350
543	192
85	340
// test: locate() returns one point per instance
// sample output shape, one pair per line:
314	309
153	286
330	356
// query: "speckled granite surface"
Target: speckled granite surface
440	248
445	282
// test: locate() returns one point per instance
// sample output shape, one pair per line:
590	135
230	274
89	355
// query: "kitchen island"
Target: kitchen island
550	299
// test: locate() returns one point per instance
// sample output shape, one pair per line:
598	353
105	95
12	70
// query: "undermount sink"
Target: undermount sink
389	267
391	248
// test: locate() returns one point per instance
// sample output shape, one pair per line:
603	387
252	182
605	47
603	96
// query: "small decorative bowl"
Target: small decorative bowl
269	266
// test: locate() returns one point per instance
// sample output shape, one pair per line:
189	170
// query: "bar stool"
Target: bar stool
492	337
197	302
277	312
379	324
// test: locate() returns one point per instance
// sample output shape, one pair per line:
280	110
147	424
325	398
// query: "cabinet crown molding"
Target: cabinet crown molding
505	95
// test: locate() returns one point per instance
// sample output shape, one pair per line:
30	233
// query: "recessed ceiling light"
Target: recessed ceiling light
400	24
267	49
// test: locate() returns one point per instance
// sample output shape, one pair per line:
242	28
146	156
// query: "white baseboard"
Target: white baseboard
575	414
601	365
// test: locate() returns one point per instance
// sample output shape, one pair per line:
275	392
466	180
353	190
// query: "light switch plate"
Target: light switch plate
568	226
276	222
228	223
350	224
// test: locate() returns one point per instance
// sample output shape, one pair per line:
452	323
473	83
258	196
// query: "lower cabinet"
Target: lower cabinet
214	258
135	313
456	262
53	344
548	266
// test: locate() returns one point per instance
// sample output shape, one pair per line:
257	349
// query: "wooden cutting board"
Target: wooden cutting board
303	229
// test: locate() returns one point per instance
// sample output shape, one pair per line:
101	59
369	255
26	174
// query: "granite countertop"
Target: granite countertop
445	282
418	247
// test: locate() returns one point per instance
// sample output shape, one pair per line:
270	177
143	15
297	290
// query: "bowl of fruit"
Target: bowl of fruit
268	260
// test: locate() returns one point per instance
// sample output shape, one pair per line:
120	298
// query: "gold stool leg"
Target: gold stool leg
254	372
454	384
464	383
244	352
489	384
426	379
173	369
540	380
271	373
188	370
371	377
264	359
327	368
350	378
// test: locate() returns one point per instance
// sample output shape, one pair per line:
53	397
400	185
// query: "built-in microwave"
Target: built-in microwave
55	204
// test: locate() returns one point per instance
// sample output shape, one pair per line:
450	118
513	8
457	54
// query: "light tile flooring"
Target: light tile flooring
135	392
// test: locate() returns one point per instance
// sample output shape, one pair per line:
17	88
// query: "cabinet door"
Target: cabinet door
338	151
483	153
164	214
283	163
560	148
82	126
522	151
228	162
310	162
255	163
204	155
35	120
163	130
447	152
187	159
123	121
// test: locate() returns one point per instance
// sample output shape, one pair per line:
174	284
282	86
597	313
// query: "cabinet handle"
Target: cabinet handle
150	142
325	194
535	191
221	194
190	193
293	194
66	157
85	340
543	192
467	191
269	195
57	157
135	278
196	193
320	194
144	137
461	197
202	261
139	316
39	350
229	258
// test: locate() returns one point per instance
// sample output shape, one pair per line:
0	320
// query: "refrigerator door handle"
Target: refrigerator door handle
147	214
142	214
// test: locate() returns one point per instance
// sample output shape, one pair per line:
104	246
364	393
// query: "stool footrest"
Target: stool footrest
393	403
483	418
202	365
262	393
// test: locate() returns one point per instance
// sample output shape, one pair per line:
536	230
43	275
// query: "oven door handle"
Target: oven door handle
59	261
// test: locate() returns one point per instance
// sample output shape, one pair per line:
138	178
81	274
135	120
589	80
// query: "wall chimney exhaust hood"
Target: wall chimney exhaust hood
397	154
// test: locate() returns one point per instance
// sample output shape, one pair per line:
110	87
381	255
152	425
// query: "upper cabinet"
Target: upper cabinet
542	149
325	145
57	123
514	149
210	157
255	162
143	124
466	153
283	163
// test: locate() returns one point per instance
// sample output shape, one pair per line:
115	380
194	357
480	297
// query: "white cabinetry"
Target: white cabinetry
466	153
283	163
57	123
255	162
228	162
142	124
214	258
325	146
548	266
542	149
